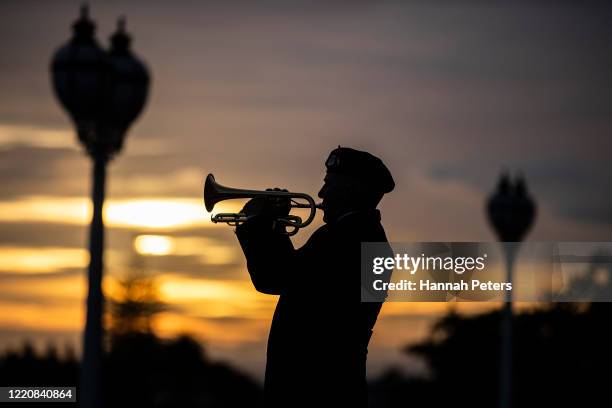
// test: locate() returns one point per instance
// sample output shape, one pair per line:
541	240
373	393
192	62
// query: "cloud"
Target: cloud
574	189
41	259
30	170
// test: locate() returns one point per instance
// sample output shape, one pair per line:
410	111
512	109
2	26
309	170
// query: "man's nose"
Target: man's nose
322	192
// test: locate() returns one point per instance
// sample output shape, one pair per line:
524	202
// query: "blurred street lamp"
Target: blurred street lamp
103	92
511	213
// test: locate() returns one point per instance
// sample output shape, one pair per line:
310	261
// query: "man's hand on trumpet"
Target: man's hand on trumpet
276	206
273	207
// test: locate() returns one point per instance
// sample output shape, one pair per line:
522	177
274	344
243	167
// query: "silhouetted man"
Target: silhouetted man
320	331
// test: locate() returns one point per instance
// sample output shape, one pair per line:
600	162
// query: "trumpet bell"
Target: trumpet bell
215	192
211	193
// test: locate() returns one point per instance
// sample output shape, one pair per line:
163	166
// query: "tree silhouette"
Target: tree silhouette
133	308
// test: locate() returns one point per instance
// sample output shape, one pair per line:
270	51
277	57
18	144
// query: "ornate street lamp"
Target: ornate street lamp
79	72
103	93
129	87
511	213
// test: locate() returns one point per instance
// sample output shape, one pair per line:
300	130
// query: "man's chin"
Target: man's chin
328	216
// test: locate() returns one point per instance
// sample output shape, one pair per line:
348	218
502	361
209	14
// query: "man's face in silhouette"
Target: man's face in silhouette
340	194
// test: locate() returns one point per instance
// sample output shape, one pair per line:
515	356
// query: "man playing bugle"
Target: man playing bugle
320	332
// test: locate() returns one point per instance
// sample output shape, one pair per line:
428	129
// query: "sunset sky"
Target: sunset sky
258	93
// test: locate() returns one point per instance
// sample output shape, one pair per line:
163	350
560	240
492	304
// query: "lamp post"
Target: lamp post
103	92
511	213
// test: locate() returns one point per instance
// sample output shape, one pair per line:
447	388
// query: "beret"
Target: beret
361	165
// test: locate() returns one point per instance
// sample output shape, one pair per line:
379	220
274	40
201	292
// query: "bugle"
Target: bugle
215	192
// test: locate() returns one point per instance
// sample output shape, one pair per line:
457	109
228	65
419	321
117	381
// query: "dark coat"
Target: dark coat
318	341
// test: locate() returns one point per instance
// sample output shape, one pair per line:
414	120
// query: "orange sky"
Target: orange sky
447	96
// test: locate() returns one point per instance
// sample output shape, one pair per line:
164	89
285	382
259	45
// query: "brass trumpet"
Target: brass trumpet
215	192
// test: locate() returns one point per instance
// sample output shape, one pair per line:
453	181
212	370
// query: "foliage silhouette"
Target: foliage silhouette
561	357
141	369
